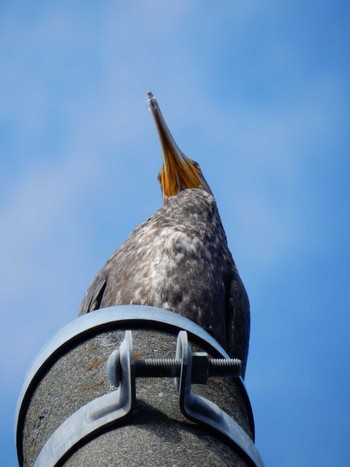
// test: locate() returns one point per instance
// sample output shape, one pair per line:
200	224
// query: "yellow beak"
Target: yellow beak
178	171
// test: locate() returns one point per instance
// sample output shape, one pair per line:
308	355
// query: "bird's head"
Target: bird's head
178	171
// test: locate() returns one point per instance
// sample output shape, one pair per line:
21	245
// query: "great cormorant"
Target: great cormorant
178	259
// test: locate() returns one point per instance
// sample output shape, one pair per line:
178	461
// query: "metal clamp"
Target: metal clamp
97	415
111	318
206	413
117	406
193	368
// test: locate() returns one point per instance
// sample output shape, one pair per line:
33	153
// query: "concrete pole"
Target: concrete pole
157	434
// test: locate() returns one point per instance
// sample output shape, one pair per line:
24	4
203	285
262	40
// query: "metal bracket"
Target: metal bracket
112	318
98	414
117	406
206	413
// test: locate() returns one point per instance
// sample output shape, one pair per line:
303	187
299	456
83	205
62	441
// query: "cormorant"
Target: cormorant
178	259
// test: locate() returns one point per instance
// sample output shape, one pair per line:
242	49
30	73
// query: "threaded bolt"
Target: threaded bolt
157	367
171	367
222	367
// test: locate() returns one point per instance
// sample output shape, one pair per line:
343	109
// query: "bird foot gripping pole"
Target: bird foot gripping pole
116	407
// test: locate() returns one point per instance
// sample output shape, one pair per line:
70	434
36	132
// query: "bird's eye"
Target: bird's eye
195	164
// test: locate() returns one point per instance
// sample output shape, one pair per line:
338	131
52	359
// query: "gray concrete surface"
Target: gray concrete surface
156	435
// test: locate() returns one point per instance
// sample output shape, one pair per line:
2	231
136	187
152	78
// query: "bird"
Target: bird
179	259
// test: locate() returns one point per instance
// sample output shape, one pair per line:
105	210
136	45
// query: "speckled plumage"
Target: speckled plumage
179	260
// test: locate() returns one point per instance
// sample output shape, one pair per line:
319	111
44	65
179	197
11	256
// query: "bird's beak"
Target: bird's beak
178	171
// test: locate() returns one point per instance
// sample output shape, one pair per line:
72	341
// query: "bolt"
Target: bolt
157	367
202	368
224	367
171	367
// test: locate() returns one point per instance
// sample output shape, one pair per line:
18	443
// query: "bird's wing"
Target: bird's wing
238	321
93	297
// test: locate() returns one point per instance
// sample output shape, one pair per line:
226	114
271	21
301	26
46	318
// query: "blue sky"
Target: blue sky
258	93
